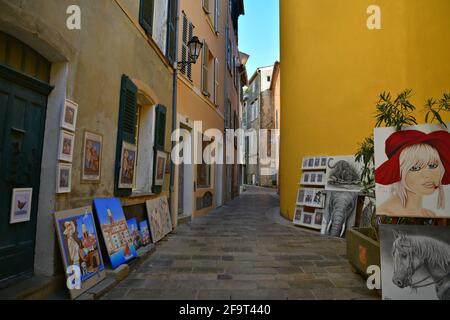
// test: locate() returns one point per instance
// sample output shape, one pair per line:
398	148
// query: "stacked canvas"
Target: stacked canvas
412	178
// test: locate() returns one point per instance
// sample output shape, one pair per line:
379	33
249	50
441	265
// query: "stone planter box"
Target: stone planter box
362	251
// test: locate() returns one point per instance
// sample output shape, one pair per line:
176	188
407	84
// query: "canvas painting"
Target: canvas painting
21	205
69	115
92	155
412	171
115	231
159	218
145	233
161	160
340	212
135	233
66	145
79	245
128	164
415	262
63	178
343	173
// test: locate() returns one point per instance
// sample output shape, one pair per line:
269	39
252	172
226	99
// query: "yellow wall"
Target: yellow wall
335	68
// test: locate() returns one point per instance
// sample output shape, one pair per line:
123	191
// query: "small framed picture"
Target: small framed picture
300	196
66	144
92	157
323	162
161	160
305	178
297	215
21	205
311	163
307	218
318	218
64	178
317	162
127	166
305	163
69	115
313	178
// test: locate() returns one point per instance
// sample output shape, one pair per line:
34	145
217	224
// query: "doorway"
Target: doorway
185	180
23	103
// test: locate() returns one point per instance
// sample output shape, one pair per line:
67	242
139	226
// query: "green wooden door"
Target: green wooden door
23	102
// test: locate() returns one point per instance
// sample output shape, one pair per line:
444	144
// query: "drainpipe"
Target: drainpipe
174	111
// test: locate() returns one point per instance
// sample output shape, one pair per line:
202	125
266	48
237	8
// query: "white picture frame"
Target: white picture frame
160	167
64	178
91	166
127	166
69	115
66	146
21	203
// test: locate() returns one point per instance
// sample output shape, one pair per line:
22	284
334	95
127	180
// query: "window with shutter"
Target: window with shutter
126	131
160	136
146	15
171	34
216	81
205	60
187	33
216	16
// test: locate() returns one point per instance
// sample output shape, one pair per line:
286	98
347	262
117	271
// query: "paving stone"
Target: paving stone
240	252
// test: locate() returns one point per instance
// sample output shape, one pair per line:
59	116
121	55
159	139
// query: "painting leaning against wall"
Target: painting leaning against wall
415	262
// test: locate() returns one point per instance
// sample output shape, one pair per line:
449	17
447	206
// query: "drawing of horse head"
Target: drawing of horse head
411	253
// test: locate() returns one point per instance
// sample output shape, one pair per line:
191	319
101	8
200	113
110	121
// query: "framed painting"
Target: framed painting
80	249
161	161
415	262
318	218
127	166
343	173
92	158
115	231
159	218
69	115
64	178
21	205
412	171
66	144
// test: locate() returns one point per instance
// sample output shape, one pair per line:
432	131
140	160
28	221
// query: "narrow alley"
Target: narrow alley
244	251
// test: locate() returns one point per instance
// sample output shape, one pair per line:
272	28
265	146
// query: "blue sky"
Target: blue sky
259	33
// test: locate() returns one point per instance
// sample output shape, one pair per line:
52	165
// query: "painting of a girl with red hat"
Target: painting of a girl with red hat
413	171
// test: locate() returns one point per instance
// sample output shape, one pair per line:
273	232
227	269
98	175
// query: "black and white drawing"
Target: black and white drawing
340	211
343	174
366	216
415	262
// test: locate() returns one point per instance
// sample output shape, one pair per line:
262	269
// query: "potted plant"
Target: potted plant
363	243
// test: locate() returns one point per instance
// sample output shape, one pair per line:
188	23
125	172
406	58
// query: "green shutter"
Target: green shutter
160	136
126	130
171	31
146	15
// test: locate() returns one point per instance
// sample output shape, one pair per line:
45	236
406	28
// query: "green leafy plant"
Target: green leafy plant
435	108
398	113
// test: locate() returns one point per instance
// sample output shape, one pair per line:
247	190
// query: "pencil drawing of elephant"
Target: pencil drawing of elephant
341	211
